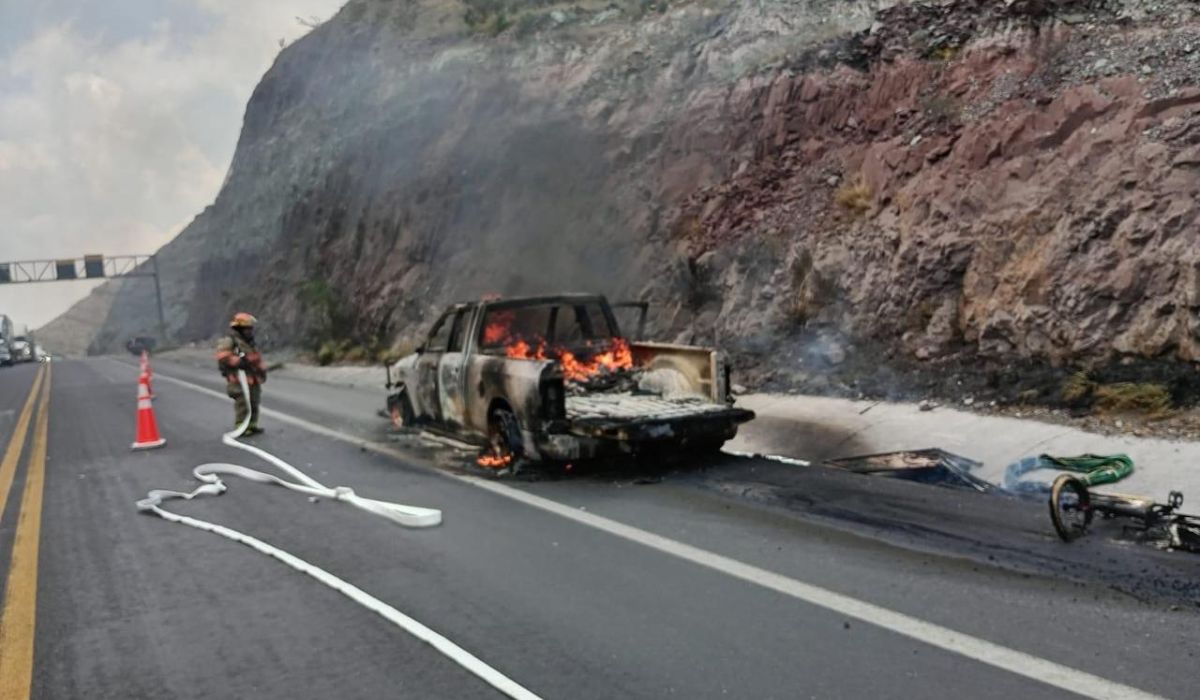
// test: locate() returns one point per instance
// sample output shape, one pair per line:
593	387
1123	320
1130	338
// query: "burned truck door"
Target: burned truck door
429	406
451	377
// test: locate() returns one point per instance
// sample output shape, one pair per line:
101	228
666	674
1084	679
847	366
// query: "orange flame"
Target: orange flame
617	357
496	331
494	461
499	332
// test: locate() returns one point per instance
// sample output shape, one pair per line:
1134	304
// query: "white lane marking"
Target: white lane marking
995	655
456	653
1011	660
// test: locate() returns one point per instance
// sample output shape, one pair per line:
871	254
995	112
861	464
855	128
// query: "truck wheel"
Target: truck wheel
401	411
505	450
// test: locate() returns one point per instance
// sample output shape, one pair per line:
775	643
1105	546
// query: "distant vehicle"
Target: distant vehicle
140	344
6	338
553	378
22	349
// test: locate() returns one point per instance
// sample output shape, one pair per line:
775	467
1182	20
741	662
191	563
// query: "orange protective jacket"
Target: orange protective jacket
234	353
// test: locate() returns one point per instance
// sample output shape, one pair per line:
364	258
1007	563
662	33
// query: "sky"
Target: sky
118	121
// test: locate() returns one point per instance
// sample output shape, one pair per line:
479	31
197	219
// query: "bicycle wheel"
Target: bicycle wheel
1070	507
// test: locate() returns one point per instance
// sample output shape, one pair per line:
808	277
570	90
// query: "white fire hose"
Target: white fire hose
407	516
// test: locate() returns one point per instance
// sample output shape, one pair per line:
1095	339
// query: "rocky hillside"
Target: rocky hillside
848	196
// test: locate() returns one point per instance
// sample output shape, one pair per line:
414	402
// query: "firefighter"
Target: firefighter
237	351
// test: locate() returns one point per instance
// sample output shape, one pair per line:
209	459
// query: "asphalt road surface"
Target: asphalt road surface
734	578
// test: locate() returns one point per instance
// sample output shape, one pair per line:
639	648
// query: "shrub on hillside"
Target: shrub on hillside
854	196
1131	397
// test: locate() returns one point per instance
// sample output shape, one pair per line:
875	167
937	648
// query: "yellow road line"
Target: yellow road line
16	444
18	616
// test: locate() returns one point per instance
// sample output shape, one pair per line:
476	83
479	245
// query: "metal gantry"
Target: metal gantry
88	267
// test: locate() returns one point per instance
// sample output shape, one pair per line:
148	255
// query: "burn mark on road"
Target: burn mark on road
815	440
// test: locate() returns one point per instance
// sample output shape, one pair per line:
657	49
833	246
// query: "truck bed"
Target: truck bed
628	406
638	417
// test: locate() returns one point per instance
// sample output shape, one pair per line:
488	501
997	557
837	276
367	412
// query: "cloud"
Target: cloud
117	129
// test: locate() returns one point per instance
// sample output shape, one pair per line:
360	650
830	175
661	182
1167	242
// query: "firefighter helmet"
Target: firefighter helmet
243	320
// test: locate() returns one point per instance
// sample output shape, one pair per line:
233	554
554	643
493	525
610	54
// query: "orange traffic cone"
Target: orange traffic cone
147	426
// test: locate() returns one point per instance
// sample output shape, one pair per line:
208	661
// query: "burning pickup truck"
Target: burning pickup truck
553	378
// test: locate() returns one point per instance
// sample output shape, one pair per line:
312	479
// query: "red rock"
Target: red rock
810	90
1188	98
1189	157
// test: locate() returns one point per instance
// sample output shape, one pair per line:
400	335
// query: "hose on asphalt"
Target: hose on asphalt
210	475
407	516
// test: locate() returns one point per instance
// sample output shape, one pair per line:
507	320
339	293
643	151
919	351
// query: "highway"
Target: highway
735	578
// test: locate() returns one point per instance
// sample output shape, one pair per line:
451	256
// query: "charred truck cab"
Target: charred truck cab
553	378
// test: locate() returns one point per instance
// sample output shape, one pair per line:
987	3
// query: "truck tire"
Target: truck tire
401	411
506	448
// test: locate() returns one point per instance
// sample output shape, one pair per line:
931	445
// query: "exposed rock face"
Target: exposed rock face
815	188
1019	204
393	161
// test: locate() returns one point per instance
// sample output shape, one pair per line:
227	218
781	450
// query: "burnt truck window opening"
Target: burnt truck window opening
439	337
554	323
459	332
580	323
